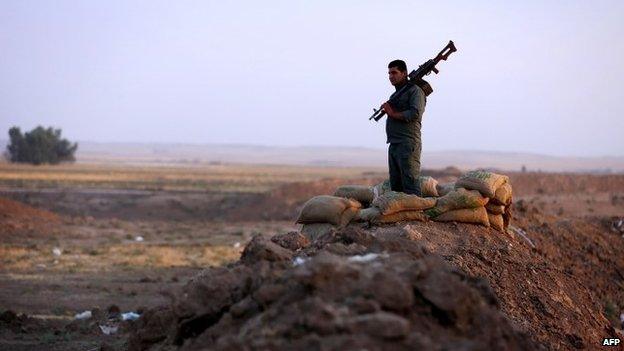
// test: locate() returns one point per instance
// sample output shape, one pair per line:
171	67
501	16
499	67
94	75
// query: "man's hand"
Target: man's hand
391	112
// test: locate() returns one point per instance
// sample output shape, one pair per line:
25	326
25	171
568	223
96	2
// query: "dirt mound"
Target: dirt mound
16	217
348	290
14	210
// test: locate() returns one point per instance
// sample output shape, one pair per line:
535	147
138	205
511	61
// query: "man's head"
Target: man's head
397	72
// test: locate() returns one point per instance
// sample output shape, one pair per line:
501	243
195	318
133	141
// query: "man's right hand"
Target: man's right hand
390	111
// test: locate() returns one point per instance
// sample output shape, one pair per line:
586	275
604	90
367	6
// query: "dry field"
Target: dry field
202	178
92	214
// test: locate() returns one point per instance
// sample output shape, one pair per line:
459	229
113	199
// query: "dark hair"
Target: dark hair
399	64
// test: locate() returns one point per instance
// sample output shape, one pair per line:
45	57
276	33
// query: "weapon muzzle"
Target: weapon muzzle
452	47
447	51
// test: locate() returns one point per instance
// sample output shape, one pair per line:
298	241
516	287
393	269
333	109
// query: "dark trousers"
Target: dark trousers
404	165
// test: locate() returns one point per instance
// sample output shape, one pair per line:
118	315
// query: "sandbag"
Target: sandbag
466	215
381	188
328	209
507	216
495	209
445	188
392	202
348	215
361	193
370	214
483	181
373	215
496	222
503	195
428	186
457	199
403	216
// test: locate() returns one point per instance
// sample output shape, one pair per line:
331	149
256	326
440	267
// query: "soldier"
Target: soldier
403	131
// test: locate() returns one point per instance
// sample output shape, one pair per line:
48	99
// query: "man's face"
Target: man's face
396	76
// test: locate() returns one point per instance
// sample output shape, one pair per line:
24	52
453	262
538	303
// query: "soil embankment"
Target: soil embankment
349	290
453	286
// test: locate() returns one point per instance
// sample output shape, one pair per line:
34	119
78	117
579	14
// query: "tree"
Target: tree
40	145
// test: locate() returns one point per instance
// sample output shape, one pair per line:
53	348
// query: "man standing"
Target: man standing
403	131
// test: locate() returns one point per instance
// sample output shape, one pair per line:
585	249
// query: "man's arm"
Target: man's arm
416	106
391	112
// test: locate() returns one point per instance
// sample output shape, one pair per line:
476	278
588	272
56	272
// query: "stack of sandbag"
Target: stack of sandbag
428	187
497	188
479	197
393	202
360	193
445	188
483	181
381	188
373	215
499	208
460	205
394	207
329	209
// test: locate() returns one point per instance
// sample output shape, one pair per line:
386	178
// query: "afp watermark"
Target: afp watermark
610	342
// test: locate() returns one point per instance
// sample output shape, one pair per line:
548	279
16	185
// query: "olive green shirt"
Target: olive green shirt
411	104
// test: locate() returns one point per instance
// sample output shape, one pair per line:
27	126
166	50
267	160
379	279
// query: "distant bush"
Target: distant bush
40	145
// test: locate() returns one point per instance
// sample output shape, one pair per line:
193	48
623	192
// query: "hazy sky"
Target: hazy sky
537	76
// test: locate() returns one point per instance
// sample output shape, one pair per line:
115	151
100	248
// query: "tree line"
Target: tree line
39	146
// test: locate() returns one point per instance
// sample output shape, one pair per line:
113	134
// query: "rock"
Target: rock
268	293
346	250
325	271
260	248
355	234
314	231
243	307
320	316
392	292
292	241
361	305
152	328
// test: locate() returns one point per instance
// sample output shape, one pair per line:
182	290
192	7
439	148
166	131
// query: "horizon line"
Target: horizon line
234	144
